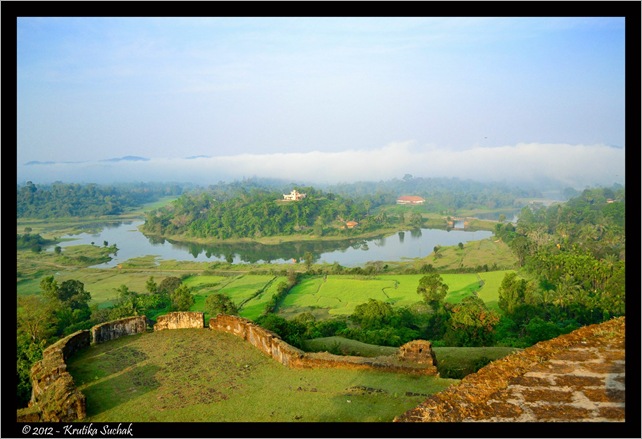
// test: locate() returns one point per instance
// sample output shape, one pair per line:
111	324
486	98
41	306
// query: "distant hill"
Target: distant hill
127	158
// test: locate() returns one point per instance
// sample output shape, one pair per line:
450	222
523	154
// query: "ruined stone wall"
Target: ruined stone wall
418	351
54	396
264	340
577	377
180	320
272	345
112	330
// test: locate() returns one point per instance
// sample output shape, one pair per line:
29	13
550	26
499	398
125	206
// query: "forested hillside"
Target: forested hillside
442	194
257	213
573	266
59	200
255	208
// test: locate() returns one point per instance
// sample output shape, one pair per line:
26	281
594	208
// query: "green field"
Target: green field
250	292
490	252
256	306
323	295
490	291
335	295
200	375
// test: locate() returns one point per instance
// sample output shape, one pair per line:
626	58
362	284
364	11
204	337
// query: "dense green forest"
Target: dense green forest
256	209
59	200
258	213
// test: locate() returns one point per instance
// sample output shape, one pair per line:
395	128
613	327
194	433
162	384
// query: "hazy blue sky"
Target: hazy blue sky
328	99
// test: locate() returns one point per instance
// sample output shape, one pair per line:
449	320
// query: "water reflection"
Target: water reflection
354	252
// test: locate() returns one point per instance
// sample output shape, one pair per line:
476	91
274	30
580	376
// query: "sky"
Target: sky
334	99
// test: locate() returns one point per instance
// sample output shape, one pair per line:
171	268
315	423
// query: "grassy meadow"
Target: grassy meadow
485	252
250	292
335	295
323	295
200	375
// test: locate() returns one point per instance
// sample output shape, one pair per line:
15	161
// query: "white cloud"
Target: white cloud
571	165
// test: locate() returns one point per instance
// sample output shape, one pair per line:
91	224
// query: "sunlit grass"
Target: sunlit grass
490	291
200	375
340	294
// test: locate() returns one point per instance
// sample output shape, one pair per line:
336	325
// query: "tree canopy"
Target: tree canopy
73	199
433	289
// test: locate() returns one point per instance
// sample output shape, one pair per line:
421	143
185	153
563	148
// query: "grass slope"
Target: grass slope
490	291
199	375
490	252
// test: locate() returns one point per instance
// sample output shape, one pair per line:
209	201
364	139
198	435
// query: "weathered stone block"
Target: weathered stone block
180	320
117	328
54	396
418	351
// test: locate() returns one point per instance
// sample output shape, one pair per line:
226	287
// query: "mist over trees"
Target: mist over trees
59	199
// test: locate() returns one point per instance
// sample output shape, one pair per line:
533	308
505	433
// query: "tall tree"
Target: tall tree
372	314
433	289
151	285
220	303
472	323
169	284
36	317
512	292
70	300
308	257
182	298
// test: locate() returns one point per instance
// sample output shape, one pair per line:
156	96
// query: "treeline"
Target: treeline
469	323
442	194
593	222
573	266
251	208
59	200
257	213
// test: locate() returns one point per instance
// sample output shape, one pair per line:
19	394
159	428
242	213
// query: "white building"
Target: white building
293	196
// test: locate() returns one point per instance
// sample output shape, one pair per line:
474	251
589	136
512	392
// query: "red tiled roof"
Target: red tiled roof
410	198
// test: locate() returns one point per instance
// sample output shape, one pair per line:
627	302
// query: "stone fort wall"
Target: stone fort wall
576	377
112	330
414	357
54	396
179	320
